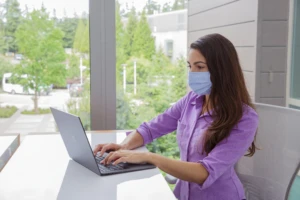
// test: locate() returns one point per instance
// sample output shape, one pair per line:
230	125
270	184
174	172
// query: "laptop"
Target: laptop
79	149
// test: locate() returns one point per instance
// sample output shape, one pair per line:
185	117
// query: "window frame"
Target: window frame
103	64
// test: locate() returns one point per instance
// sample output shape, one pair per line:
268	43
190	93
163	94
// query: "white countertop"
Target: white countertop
42	170
5	142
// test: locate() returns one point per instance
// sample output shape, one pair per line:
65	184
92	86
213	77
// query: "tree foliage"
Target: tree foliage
143	41
73	66
13	18
81	40
41	44
68	26
129	33
180	4
5	67
167	7
159	81
151	7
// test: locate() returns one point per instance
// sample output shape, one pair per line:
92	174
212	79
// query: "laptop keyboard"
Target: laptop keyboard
108	168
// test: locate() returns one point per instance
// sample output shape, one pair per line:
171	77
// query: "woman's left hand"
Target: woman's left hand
125	156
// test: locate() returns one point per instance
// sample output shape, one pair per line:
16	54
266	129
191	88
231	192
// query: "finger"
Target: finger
120	160
113	157
104	161
107	147
104	149
98	148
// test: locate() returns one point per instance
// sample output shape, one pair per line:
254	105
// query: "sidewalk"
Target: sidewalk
24	124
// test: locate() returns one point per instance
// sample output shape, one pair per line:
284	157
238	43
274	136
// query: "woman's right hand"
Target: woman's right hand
102	148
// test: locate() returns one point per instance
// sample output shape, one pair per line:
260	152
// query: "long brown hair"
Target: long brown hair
228	93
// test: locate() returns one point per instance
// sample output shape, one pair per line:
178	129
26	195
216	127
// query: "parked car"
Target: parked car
18	56
45	90
75	90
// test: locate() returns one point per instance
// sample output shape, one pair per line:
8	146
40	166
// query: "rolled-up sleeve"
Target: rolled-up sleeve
230	150
163	123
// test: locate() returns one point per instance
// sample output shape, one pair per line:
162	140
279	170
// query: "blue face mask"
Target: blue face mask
200	82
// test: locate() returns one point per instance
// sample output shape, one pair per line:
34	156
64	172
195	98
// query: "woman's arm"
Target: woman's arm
132	141
147	132
187	171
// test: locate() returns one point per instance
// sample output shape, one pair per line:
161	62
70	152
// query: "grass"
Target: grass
41	111
8	111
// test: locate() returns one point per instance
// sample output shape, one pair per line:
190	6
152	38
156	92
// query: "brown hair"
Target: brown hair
228	93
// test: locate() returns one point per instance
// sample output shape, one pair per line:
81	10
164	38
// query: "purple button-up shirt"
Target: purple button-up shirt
222	182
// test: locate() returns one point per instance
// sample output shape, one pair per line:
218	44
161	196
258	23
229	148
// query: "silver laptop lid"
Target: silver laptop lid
75	139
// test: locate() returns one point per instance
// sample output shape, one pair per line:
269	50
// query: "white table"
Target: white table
8	145
42	170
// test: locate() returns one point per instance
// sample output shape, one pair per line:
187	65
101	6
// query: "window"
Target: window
295	64
47	46
148	81
169	48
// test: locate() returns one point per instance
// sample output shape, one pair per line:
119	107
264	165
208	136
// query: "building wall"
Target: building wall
169	26
236	20
272	41
179	42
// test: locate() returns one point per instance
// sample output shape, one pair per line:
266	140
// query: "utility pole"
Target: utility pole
124	77
134	67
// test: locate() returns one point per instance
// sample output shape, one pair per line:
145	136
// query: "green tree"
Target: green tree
160	83
3	46
151	7
13	18
41	44
129	33
82	108
167	7
85	46
5	67
179	84
120	53
73	70
180	4
143	41
68	26
81	40
123	111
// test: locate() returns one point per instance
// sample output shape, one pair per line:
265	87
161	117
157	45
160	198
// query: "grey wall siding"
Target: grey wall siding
236	20
271	54
203	5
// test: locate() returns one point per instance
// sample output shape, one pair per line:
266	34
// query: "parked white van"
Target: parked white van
13	88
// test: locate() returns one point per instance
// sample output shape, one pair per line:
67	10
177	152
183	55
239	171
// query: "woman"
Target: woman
216	125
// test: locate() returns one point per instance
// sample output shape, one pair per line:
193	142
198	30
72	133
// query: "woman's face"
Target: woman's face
196	61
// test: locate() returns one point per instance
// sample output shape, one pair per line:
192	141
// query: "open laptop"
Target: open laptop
79	149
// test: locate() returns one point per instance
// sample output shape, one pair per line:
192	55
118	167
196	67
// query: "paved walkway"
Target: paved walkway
24	124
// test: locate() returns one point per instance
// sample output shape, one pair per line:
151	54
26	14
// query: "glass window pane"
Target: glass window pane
151	64
44	62
295	68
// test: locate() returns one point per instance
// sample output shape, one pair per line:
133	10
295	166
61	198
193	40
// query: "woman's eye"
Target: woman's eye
189	66
200	67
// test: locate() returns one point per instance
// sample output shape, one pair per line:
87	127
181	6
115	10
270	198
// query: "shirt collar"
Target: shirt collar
198	100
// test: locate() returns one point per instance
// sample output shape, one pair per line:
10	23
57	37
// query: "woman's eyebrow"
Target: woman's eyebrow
199	62
196	62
